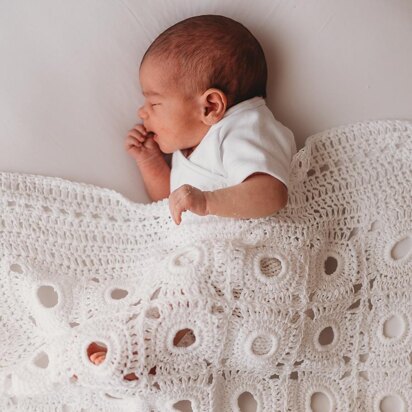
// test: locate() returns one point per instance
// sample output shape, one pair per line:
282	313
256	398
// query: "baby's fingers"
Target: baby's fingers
98	357
131	142
137	135
140	129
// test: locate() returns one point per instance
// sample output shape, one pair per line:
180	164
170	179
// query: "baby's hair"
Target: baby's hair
213	51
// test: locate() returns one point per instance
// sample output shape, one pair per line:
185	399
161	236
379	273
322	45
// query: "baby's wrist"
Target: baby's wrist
154	161
208	202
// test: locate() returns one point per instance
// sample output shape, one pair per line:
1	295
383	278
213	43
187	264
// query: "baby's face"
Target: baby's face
173	118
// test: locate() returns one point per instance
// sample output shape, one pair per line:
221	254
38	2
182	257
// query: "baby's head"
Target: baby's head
193	72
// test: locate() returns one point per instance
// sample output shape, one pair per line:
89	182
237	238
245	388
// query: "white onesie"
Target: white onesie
247	140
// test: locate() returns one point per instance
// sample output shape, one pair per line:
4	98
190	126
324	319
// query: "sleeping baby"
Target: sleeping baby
204	83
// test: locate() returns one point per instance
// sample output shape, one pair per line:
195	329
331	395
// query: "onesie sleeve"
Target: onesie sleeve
256	142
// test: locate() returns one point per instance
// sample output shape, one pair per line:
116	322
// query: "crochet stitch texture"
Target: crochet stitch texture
281	307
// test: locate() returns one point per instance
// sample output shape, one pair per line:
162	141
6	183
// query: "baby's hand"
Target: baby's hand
98	357
141	146
184	198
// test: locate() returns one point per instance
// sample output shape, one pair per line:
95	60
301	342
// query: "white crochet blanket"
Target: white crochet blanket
285	307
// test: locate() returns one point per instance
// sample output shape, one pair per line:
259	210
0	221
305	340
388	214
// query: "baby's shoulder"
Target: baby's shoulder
256	129
257	121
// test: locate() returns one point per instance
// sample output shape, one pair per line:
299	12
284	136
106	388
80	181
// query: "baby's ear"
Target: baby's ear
214	103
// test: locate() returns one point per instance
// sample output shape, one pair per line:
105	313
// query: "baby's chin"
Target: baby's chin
166	150
161	146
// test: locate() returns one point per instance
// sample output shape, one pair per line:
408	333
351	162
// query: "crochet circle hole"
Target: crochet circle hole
270	267
247	402
184	338
392	403
326	336
48	296
262	345
320	402
41	360
118	294
402	249
393	327
184	260
16	268
95	347
331	265
183	406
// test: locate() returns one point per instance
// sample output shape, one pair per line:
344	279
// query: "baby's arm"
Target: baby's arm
257	196
149	158
156	177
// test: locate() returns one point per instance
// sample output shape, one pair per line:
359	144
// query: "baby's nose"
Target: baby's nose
141	112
